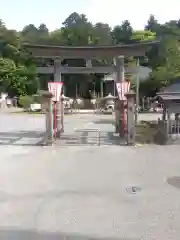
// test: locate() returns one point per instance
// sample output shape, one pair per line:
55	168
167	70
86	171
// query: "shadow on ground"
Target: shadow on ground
10	234
89	138
21	138
104	121
35	138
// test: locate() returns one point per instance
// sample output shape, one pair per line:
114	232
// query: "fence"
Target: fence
96	130
168	131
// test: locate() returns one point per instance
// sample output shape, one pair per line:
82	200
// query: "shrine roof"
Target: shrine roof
90	51
174	87
165	95
169	97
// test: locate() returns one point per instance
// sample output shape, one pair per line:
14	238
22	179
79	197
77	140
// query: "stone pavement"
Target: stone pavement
28	129
68	192
21	129
89	192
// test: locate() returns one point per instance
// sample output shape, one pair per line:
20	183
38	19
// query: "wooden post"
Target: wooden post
62	114
58	119
57	78
101	88
50	127
164	113
47	96
131	130
137	93
143	105
119	111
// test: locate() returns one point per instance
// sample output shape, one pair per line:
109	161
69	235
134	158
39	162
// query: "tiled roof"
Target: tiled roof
169	97
175	87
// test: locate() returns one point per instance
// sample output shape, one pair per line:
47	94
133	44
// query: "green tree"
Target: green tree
122	33
29	33
17	67
152	24
17	80
144	35
76	20
102	34
55	37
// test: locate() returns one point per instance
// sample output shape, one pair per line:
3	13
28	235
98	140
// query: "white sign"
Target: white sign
56	89
93	101
79	101
35	107
3	96
122	89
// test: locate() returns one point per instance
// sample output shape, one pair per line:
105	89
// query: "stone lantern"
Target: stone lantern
109	102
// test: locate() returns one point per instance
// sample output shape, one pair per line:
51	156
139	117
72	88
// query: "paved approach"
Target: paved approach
87	192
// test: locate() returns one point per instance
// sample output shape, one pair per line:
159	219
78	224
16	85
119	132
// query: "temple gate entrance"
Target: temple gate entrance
117	53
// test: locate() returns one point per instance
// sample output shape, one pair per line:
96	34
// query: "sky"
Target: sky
18	13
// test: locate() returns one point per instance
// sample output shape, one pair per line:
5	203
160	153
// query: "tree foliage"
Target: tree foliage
17	68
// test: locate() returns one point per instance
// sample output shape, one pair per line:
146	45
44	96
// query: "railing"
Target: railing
174	129
98	136
168	132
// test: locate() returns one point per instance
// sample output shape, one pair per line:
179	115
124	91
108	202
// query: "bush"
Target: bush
25	101
37	98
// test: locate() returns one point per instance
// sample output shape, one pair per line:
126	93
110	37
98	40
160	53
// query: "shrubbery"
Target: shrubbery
26	101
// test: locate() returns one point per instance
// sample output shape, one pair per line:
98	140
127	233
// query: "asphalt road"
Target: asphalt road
84	191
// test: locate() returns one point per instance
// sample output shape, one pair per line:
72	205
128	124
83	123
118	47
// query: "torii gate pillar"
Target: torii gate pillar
60	107
119	106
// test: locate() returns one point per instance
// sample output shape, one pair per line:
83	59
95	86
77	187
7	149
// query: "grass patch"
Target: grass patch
145	132
24	112
27	112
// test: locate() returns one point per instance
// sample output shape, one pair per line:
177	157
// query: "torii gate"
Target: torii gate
117	52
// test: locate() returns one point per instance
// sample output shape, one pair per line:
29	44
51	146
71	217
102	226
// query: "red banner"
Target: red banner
122	89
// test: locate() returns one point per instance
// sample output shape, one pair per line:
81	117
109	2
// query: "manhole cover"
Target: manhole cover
174	181
133	189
